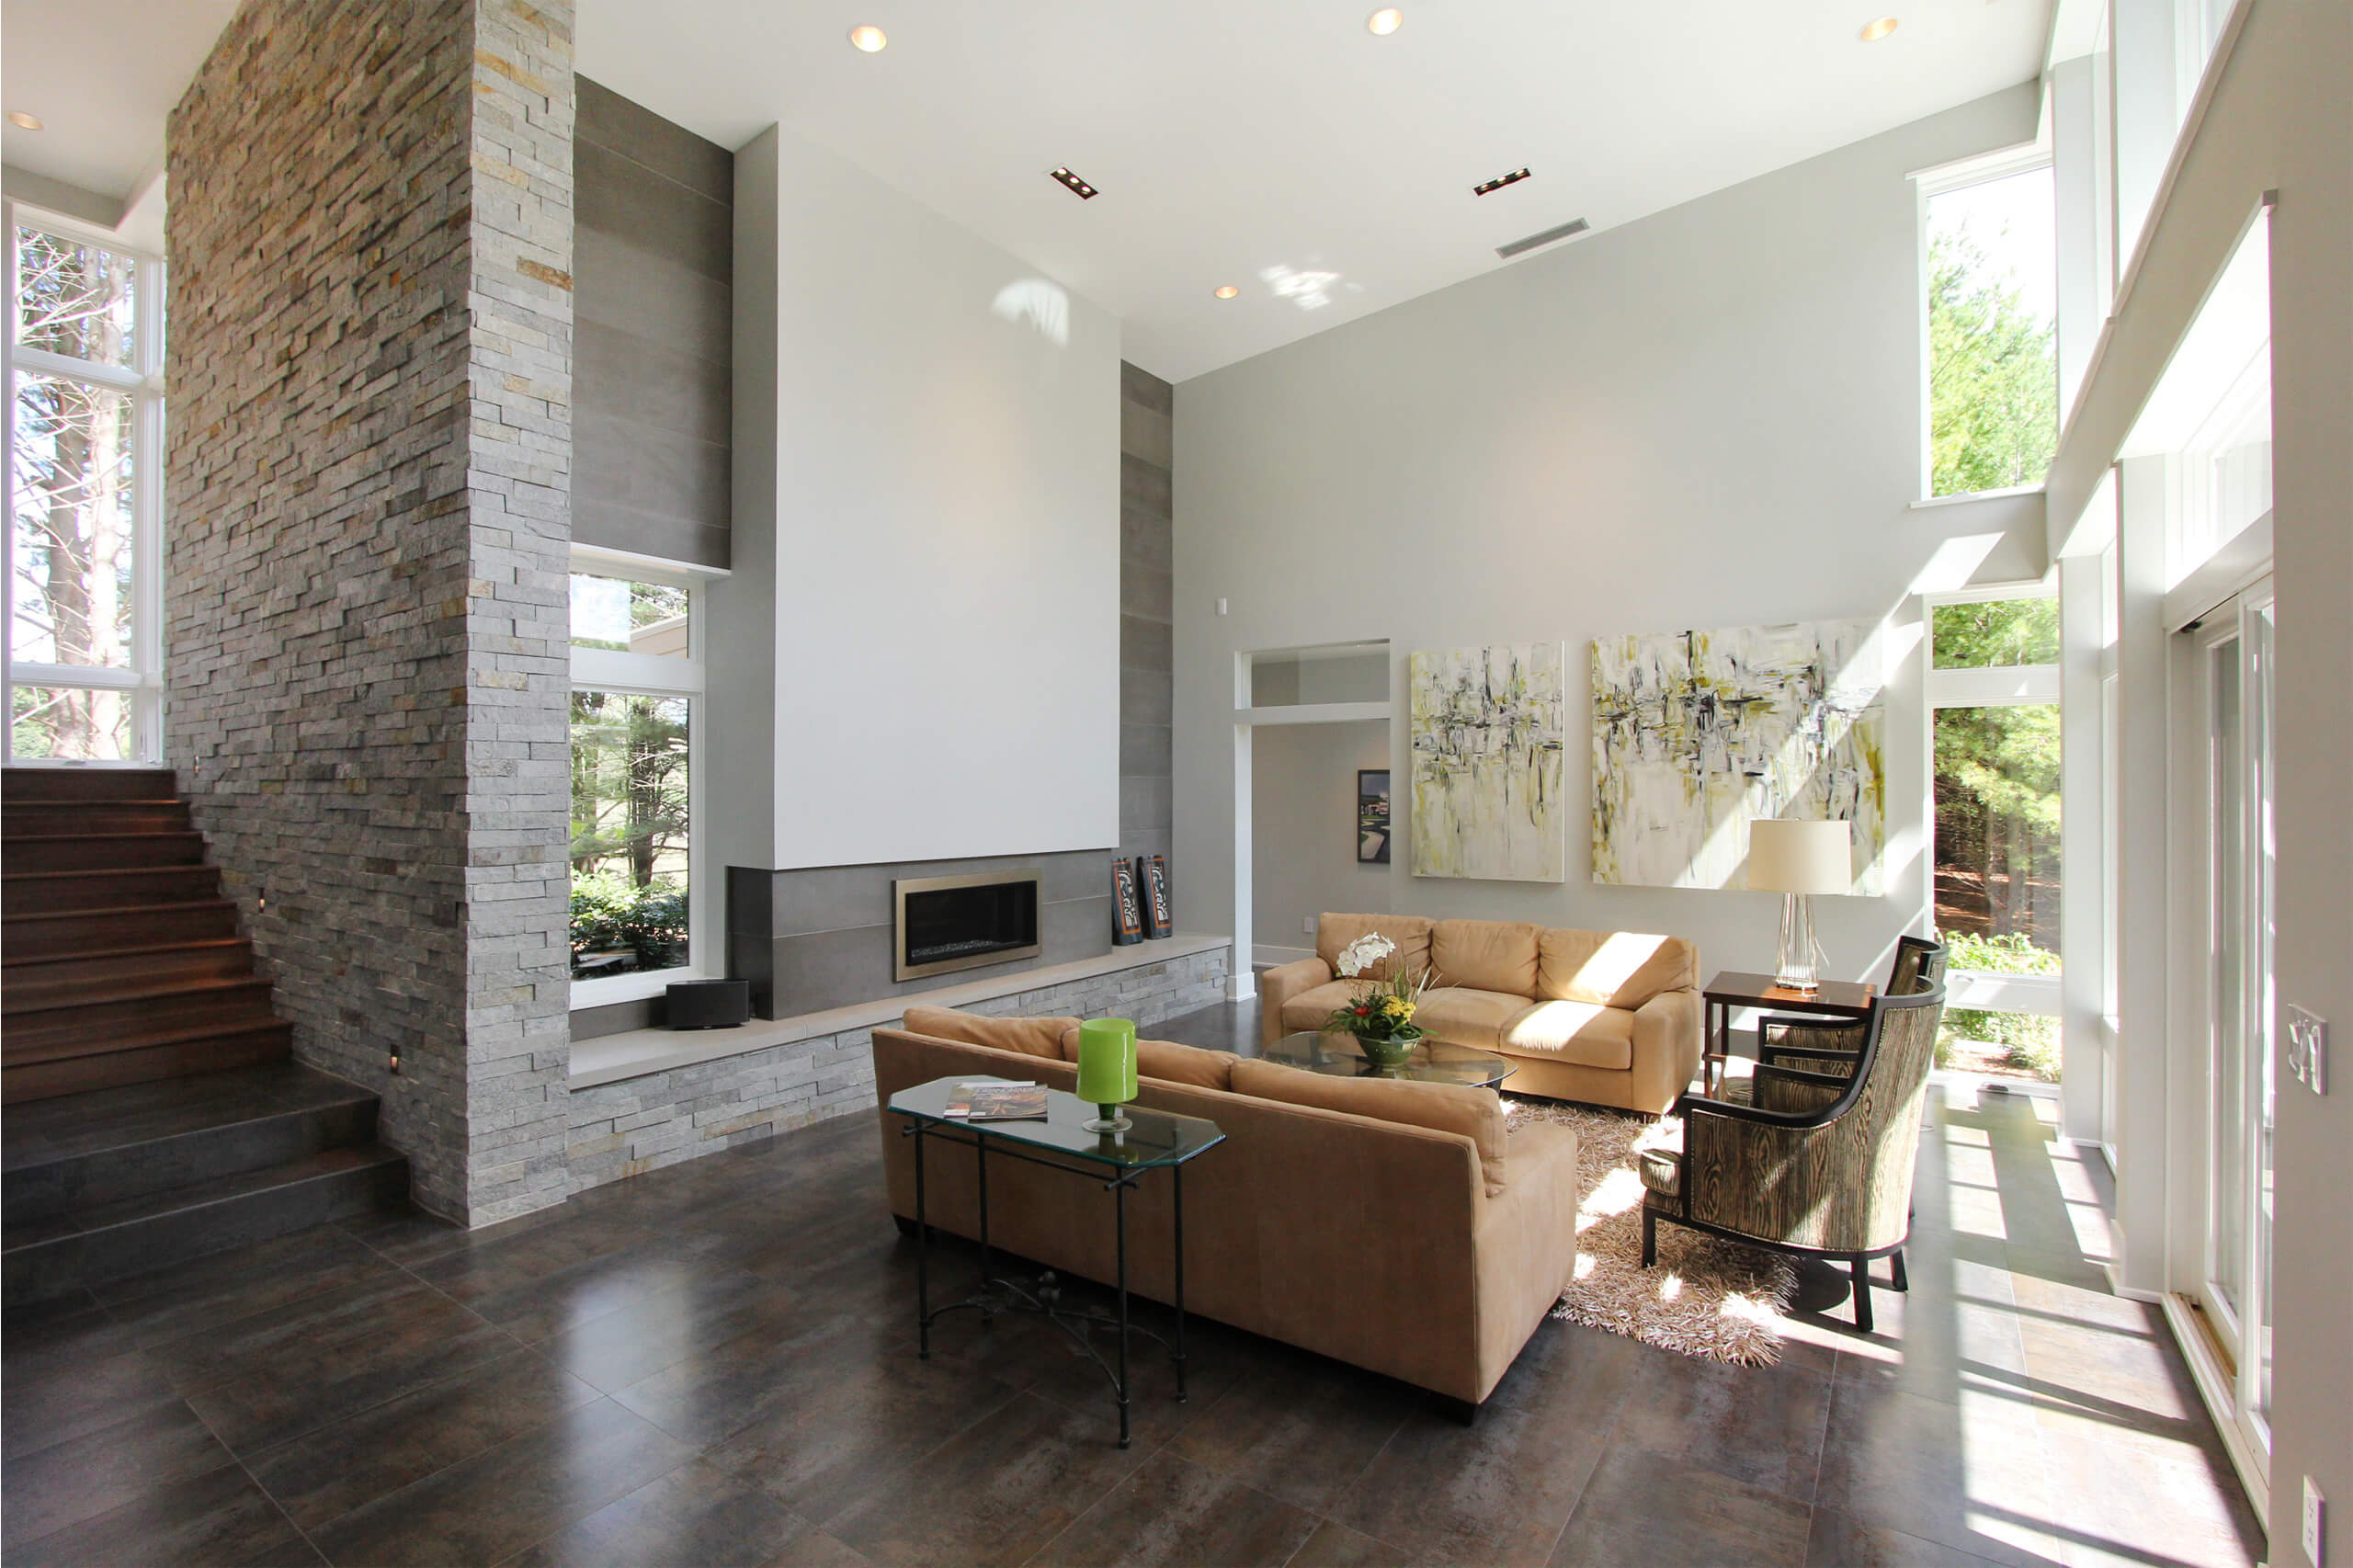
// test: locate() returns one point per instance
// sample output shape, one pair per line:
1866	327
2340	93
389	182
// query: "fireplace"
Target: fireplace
950	923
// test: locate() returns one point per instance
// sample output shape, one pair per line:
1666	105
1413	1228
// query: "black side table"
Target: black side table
1732	989
1156	1140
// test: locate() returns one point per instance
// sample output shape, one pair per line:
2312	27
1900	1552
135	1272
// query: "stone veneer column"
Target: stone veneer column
367	482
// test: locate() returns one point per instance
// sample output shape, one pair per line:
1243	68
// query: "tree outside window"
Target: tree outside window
1992	346
1996	829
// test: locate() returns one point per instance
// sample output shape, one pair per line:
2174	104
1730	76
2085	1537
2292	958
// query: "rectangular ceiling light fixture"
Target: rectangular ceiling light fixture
1544	237
1072	183
1499	182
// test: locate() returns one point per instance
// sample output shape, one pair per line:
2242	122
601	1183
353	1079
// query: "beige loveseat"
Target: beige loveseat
1608	1018
1396	1226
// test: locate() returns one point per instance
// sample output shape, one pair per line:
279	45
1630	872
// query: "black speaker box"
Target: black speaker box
708	1003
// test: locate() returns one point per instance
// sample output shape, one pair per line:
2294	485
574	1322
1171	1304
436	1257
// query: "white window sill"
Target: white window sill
1966	496
634	987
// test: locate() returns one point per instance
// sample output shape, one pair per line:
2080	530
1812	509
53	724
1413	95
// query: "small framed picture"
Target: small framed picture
1372	817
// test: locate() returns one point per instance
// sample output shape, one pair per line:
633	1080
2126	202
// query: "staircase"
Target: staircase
119	961
155	1113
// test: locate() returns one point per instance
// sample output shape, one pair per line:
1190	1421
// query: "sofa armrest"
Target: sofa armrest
1280	986
1527	1244
1666	1047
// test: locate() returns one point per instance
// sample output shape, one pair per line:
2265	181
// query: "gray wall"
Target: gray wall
1710	417
653	240
1145	422
1303	813
371	230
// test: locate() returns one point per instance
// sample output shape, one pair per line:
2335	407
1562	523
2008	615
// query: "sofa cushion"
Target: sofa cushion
1170	1063
1619	969
1477	1114
1410	932
1032	1037
1463	1017
1586	1033
1311	1007
1486	955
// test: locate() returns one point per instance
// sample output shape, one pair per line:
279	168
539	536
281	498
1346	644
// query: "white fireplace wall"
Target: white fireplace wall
927	537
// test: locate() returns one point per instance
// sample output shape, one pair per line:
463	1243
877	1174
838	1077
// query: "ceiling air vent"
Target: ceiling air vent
1542	237
1499	182
1072	183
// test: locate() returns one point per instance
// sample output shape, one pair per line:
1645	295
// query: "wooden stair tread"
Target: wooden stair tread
139	950
116	1043
100	874
174	906
102	835
11	1009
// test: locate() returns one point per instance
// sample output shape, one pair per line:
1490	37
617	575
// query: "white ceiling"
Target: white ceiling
1260	143
101	75
1250	142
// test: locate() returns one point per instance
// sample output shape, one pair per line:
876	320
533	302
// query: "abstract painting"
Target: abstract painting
1488	727
1698	733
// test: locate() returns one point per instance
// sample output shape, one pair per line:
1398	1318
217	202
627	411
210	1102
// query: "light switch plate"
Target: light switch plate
2308	1048
2316	1506
1307	925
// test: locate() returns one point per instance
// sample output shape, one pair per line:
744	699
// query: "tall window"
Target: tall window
636	680
1993	689
1992	271
86	426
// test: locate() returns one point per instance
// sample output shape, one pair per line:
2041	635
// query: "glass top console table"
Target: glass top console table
1153	1141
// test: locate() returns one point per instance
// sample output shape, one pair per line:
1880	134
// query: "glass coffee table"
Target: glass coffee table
1338	1056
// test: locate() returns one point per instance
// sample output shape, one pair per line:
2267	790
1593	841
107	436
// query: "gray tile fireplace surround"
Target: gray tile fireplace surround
818	938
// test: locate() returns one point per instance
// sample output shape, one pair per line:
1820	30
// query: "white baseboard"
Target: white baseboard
1240	986
1267	953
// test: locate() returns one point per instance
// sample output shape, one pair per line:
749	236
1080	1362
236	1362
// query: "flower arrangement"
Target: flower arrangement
1382	1012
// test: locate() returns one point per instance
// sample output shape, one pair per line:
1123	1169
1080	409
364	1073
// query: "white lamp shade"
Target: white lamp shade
1801	856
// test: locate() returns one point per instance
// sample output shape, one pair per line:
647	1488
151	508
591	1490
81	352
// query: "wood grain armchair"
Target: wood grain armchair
1820	1165
1831	1045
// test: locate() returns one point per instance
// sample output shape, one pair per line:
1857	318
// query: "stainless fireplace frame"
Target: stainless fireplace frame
901	970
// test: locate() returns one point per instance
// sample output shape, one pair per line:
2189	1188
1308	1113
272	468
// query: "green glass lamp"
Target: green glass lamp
1106	1071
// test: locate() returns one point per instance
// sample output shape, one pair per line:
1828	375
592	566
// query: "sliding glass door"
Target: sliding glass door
2232	698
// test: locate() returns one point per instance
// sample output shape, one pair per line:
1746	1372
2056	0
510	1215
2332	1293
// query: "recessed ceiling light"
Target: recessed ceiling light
1072	183
869	38
1227	291
1874	31
1383	22
24	121
1499	182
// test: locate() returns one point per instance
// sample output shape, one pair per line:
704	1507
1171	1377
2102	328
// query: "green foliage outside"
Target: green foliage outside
2028	1043
1993	376
629	831
609	914
1996	633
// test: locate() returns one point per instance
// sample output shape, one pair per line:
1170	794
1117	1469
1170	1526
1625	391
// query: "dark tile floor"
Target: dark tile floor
713	1364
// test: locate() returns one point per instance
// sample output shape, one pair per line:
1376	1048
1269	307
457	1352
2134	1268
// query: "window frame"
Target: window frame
143	678
1942	179
1990	685
647	675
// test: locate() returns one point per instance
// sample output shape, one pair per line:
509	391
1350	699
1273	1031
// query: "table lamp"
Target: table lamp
1106	1071
1799	860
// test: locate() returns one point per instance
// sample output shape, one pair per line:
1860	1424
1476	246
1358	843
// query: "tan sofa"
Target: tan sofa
1395	1226
1608	1018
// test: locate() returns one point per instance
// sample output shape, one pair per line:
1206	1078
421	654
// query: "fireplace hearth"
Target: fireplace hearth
951	923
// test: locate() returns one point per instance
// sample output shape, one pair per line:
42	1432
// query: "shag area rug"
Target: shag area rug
1705	1297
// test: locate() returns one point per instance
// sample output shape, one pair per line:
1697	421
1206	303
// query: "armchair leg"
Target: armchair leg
1895	1266
1862	1270
1650	1235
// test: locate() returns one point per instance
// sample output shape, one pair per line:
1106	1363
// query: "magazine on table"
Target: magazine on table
998	1099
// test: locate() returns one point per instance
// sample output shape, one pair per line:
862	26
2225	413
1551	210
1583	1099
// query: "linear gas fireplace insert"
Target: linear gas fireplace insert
950	923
